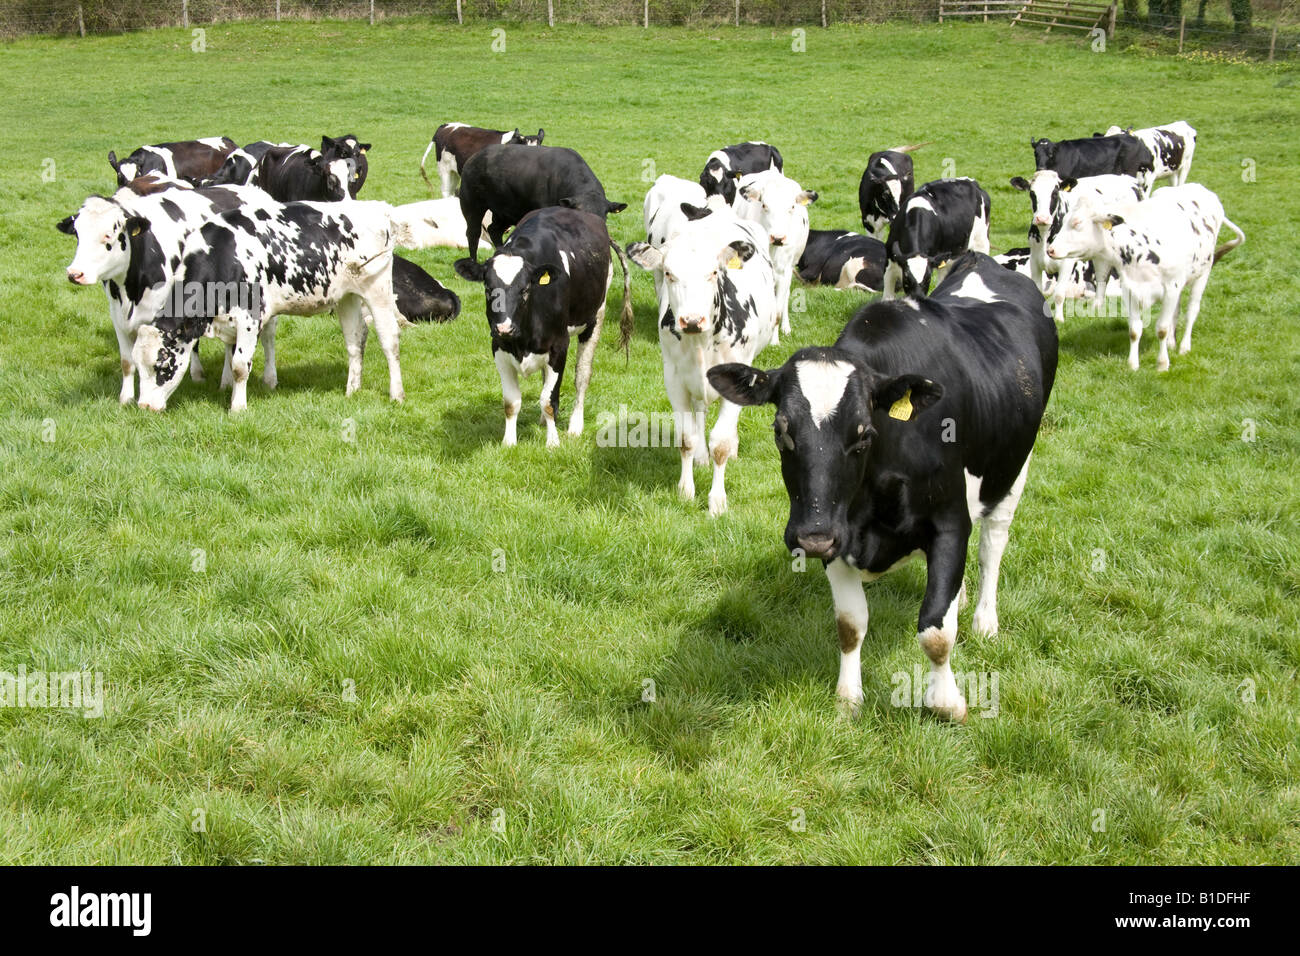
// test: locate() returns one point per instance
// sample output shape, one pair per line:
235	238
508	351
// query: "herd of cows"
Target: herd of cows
916	423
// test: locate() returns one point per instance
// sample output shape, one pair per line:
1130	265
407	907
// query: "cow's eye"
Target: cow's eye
859	446
670	277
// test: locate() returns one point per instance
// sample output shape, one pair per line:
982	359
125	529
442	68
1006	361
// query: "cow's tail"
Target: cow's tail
1231	244
423	174
913	147
626	322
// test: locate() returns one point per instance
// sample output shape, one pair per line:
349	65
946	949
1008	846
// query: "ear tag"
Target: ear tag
1066	189
902	409
544	279
135	231
735	263
1107	224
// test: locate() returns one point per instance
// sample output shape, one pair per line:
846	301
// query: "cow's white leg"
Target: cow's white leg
1194	294
1165	324
510	394
851	622
582	378
267	337
447	174
723	443
1134	328
389	332
227	376
550	399
196	367
893	273
353	323
783	279
937	627
686	435
241	362
124	346
995	531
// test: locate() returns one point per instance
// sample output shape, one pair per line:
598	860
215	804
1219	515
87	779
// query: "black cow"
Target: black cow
298	173
886	183
1122	154
916	423
547	283
189	160
727	165
937	223
845	260
455	143
421	297
352	151
510	182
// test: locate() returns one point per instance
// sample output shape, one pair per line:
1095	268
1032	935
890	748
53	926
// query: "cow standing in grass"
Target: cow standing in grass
780	206
916	423
454	143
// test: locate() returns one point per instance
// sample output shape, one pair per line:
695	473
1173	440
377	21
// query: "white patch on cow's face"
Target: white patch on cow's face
103	248
337	174
895	189
1041	187
920	202
1081	235
507	268
917	266
564	261
774	201
128	171
973	287
823	385
690	269
884	161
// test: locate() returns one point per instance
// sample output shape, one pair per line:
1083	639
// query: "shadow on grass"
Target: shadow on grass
1087	337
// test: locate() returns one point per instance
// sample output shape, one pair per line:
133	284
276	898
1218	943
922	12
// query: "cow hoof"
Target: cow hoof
196	373
509	441
849	703
126	399
1162	366
717	504
687	492
270	381
553	441
399	396
1184	348
150	407
985	624
955	712
575	425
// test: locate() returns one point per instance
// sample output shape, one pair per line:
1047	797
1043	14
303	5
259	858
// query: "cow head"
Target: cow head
105	232
353	152
332	177
522	139
890	175
1044	189
779	204
1083	232
512	285
828	410
694	265
126	169
161	357
595	204
1044	153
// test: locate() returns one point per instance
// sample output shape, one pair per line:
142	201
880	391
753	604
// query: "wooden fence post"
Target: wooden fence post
645	15
185	13
1110	25
823	14
372	12
550	13
277	11
1272	42
460	18
81	21
1182	29
737	12
941	11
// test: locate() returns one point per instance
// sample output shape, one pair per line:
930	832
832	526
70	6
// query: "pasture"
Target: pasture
339	630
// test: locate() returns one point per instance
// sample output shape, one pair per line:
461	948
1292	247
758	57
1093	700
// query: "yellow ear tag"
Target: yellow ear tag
544	279
1107	224
135	231
902	409
1066	189
734	263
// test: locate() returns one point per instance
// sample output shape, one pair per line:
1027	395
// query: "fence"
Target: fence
1161	25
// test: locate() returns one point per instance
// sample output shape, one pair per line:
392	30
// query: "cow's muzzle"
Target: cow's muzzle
691	323
818	544
77	278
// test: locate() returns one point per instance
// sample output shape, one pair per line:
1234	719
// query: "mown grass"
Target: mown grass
348	679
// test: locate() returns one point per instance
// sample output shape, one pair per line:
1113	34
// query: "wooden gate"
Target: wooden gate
1085	15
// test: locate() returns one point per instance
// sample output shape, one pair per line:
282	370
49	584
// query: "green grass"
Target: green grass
350	680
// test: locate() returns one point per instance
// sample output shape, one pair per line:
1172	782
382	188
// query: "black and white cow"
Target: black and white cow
1017	260
780	205
670	203
239	167
353	152
918	422
845	260
256	261
1119	155
455	143
1158	247
190	160
717	303
547	284
937	223
300	173
1171	148
726	166
886	182
510	182
1050	199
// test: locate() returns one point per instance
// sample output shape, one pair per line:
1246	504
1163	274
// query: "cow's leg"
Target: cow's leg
353	323
995	531
1173	292
1134	328
1194	293
686	434
851	622
783	278
196	367
550	399
586	354
447	177
937	627
267	337
227	376
473	228
510	393
893	272
386	327
241	362
124	347
723	443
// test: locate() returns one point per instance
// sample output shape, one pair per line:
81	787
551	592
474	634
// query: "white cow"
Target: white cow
717	304
439	223
780	205
1158	247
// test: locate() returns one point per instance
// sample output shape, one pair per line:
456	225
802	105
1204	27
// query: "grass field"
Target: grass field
416	646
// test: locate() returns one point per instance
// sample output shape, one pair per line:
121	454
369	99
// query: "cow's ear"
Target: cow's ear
615	206
541	134
136	225
470	270
545	275
750	193
112	160
66	225
1109	220
645	255
364	147
568	203
693	213
1068	184
736	254
807	197
326	142
1020	182
744	384
906	395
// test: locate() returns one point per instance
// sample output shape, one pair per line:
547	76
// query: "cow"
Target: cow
1050	198
239	167
257	261
547	284
510	182
300	173
1119	155
1158	248
1017	260
724	167
935	224
845	260
190	160
455	143
717	303
886	182
445	225
780	205
353	152
1171	148
670	203
130	244
918	422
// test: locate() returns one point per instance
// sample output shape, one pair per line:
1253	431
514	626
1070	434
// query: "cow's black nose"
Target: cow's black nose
818	545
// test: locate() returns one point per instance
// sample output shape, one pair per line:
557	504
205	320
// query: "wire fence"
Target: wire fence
1257	29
